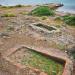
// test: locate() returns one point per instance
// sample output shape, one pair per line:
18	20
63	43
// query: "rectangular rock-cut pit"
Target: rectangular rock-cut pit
43	29
32	59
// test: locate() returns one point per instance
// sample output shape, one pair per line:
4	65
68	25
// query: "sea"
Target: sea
69	5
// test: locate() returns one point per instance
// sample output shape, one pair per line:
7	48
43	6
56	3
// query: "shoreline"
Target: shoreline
62	13
57	6
65	10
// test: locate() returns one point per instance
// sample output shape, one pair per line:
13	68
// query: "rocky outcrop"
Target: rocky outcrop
54	5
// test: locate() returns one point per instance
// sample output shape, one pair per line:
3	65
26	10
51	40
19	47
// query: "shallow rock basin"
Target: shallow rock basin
44	29
31	58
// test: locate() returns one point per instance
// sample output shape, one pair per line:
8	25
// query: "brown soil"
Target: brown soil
4	73
16	32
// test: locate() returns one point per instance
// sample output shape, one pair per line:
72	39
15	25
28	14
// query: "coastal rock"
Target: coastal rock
54	5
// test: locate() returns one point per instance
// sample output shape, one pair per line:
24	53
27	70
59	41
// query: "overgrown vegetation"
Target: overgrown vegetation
8	15
42	11
69	19
41	62
18	5
12	6
6	7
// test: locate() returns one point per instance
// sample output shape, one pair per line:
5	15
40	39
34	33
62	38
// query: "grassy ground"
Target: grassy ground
41	62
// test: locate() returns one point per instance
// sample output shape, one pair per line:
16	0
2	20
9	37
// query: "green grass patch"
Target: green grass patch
41	62
42	11
16	6
8	15
69	19
6	7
